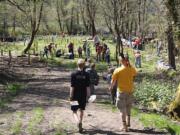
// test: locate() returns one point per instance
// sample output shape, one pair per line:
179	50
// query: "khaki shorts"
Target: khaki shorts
124	102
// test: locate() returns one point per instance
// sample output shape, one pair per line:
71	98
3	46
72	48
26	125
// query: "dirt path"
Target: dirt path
43	109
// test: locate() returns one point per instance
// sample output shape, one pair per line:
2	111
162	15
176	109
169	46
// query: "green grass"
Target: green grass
2	103
16	128
17	125
154	120
157	121
38	115
63	128
14	88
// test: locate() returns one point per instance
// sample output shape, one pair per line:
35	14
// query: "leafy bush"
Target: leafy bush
154	94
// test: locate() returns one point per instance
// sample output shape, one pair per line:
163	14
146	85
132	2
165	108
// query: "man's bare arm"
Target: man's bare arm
113	83
71	92
88	92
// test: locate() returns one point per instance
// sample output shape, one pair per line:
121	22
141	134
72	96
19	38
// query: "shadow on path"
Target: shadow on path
150	132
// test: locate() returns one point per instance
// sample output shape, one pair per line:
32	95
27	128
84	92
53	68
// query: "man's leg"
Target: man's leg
128	110
80	121
75	115
123	117
81	116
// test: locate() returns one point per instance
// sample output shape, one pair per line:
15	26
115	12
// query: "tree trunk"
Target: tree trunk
72	20
139	17
93	28
30	42
171	46
35	23
143	19
58	15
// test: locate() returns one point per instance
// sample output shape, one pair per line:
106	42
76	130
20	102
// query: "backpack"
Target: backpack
94	77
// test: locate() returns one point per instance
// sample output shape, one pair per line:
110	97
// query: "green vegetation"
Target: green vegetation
16	128
156	121
154	94
11	90
14	88
63	128
17	125
38	115
152	120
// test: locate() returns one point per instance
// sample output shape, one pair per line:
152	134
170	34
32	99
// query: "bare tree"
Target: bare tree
33	12
114	11
172	15
91	9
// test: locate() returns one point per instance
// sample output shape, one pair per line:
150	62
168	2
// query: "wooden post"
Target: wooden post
10	58
29	58
1	52
34	51
41	55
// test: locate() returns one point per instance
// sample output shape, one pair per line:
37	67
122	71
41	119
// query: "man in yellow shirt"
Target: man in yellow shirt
124	77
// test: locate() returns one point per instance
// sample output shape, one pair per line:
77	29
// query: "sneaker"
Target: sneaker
124	129
80	127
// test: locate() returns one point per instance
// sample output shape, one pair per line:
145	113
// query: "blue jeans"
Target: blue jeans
138	62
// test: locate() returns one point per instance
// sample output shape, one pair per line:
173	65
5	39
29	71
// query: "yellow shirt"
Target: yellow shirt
124	77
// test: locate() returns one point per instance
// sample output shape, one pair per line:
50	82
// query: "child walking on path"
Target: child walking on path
114	89
137	59
94	77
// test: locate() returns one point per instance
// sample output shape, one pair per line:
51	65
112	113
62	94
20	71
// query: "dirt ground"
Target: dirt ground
43	107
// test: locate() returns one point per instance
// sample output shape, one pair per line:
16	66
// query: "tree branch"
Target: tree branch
16	5
40	15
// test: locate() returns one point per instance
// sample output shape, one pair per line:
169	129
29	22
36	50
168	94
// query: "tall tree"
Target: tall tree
91	9
113	9
32	10
172	16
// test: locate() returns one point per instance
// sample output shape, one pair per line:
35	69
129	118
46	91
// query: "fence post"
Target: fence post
1	52
34	51
29	58
10	58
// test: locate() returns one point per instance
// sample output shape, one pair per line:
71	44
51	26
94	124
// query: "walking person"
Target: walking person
79	92
124	77
45	52
108	56
79	52
94	77
137	55
114	89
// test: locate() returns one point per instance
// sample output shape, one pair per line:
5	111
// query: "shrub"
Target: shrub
154	94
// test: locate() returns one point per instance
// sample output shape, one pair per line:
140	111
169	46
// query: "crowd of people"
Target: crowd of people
102	51
85	78
120	81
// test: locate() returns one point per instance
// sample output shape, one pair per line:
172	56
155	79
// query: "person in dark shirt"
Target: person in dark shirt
79	91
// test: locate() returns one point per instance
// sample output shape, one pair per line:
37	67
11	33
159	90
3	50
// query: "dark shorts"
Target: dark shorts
81	106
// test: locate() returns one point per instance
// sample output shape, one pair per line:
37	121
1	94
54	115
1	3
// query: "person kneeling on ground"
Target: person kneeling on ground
79	91
124	77
58	53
